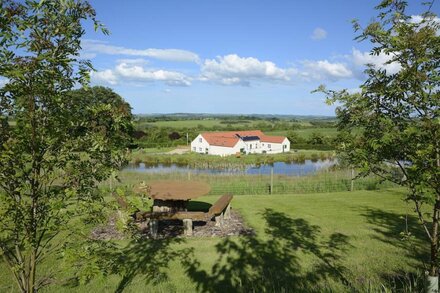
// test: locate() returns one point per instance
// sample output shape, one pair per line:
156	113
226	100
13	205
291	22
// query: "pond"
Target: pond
291	169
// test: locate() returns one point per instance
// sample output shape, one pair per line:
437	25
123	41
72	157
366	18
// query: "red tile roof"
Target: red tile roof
230	138
218	139
272	139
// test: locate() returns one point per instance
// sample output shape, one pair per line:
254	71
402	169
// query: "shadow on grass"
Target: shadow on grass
393	228
147	259
273	263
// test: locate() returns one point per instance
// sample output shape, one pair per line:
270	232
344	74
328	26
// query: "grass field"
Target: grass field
337	242
195	123
307	132
209	123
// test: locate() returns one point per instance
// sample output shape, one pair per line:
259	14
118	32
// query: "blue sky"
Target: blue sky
230	56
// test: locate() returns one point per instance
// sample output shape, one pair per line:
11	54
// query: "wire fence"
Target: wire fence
253	184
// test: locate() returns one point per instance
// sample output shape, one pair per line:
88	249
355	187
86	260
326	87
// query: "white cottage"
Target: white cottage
233	142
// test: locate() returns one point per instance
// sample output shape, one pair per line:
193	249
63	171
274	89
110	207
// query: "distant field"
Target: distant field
214	123
183	123
248	124
306	132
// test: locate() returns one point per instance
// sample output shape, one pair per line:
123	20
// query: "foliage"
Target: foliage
316	138
62	143
294	137
397	114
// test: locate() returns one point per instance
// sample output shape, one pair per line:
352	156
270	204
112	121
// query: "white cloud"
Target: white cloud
233	69
133	72
426	20
420	18
3	81
318	34
93	46
356	90
323	69
360	59
138	61
87	55
105	76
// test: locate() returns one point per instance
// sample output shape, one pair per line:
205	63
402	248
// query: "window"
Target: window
200	139
194	148
284	146
250	146
200	149
268	145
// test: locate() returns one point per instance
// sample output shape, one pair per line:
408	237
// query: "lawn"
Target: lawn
315	242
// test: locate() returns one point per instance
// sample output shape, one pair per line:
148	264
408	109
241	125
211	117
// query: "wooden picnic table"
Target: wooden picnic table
170	200
173	196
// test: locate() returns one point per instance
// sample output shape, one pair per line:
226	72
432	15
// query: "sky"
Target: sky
231	56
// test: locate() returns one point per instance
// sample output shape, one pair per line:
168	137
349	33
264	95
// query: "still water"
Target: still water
291	169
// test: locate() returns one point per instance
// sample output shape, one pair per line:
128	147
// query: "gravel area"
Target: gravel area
174	228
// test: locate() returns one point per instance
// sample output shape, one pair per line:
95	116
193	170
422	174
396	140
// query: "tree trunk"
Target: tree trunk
432	284
433	271
32	272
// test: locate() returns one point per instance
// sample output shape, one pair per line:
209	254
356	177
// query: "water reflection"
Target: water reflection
294	169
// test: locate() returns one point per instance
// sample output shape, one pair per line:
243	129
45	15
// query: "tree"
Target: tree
174	135
316	138
55	145
294	137
397	114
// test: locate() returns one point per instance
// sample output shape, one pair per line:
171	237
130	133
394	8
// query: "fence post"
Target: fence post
352	179
271	180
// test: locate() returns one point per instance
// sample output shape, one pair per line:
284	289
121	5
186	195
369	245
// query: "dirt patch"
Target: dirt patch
178	151
108	231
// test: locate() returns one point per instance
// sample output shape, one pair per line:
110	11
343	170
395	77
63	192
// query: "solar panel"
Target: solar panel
249	138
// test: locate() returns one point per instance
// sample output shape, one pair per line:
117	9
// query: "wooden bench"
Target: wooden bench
221	210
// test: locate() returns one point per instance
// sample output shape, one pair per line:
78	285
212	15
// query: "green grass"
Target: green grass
219	123
156	150
315	242
307	132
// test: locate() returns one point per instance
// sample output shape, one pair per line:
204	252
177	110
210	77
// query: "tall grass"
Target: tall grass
321	182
